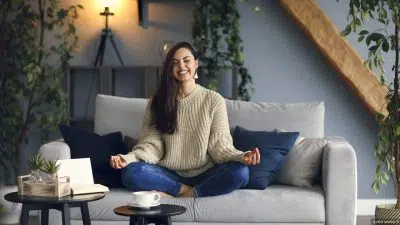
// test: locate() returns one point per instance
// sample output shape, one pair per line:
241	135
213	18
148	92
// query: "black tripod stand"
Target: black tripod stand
106	33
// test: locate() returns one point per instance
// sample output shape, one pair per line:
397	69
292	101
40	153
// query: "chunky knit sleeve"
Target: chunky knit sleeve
220	144
150	147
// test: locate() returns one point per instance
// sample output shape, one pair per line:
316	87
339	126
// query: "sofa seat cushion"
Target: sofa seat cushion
103	209
276	204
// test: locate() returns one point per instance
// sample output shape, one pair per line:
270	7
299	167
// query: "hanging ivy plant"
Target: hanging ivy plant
216	35
31	73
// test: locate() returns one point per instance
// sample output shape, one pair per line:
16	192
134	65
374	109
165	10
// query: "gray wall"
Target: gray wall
285	65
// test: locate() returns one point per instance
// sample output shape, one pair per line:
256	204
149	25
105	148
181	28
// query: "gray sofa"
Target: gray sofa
331	203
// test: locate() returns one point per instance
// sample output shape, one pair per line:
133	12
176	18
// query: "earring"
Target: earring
195	76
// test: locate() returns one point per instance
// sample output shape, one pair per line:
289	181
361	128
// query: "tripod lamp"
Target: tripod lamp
107	33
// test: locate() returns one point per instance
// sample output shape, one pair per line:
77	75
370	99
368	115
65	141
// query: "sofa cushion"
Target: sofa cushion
114	113
103	208
276	204
307	118
85	144
273	147
303	162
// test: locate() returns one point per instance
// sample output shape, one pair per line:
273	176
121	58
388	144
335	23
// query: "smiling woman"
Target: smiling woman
185	145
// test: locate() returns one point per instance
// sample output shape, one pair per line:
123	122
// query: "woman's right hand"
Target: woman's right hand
117	162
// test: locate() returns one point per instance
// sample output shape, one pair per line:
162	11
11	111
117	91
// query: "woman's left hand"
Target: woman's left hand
252	158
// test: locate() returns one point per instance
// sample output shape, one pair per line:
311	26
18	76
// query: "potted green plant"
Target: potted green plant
36	163
384	39
31	73
51	167
216	34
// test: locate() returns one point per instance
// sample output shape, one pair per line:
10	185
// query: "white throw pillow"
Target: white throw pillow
303	162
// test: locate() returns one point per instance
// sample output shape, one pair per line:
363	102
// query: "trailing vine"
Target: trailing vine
31	73
216	35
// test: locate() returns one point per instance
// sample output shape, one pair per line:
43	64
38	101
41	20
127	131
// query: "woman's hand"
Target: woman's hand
117	162
252	158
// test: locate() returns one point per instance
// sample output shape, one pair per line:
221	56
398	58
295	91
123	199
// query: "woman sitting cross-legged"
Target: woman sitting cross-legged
185	147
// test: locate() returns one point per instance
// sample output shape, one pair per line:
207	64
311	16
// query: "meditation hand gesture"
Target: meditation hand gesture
252	158
117	162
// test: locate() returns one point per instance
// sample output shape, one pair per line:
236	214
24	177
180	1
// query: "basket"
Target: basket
46	189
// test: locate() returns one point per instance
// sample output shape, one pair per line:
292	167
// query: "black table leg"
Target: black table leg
166	220
132	220
44	217
66	214
24	217
85	213
141	221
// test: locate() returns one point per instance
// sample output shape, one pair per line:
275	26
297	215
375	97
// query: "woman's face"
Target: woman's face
184	65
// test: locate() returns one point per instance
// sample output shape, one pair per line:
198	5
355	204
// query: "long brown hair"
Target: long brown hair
164	104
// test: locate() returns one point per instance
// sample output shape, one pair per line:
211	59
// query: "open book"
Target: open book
81	177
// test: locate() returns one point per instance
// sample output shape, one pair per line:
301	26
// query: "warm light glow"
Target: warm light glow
115	6
108	3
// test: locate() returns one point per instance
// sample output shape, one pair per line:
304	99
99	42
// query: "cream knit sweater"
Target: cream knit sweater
202	137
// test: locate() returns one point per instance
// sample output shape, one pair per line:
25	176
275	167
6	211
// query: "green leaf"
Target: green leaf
374	37
385	45
385	177
346	31
363	32
375	187
398	131
382	13
61	14
360	39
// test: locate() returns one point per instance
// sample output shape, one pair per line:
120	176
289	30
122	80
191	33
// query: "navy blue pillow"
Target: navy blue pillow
273	147
99	149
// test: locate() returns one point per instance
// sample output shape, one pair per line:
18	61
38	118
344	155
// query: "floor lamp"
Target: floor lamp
107	33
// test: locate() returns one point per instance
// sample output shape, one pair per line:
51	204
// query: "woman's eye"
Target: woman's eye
187	61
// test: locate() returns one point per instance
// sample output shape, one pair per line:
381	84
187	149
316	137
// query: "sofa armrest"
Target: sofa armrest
339	181
55	150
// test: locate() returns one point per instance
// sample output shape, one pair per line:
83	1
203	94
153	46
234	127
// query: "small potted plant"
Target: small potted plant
51	168
36	163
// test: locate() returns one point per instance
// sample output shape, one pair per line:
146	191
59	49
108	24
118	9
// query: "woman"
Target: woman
185	148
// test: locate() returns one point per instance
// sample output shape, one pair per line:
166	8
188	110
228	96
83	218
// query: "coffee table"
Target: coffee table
62	204
160	215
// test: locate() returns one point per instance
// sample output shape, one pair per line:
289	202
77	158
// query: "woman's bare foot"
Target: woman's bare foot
186	191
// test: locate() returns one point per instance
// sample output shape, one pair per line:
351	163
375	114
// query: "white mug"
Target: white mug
144	198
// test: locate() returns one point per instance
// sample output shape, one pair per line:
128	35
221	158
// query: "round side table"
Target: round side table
62	204
159	215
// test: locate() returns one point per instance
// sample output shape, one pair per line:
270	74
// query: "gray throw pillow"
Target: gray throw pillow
303	162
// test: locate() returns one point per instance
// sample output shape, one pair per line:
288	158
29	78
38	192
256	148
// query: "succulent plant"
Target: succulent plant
36	162
50	166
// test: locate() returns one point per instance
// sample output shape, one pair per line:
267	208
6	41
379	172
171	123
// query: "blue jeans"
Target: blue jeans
218	180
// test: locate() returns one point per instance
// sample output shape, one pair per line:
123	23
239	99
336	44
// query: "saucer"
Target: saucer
134	204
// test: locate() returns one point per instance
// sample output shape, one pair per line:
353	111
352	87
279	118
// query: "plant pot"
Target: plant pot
10	212
387	214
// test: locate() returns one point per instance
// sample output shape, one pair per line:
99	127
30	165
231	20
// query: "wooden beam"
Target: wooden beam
339	53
